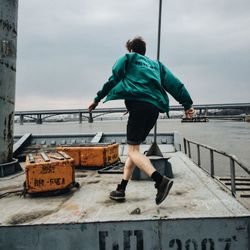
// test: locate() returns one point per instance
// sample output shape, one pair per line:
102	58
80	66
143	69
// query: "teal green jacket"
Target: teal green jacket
136	77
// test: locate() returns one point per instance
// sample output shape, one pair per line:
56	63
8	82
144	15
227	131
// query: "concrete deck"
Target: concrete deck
194	195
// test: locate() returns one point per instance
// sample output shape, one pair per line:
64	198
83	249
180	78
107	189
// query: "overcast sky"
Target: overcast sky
66	49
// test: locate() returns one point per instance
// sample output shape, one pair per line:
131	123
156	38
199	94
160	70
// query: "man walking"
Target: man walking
143	84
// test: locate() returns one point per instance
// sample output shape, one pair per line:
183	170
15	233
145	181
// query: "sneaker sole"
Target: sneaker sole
117	198
169	186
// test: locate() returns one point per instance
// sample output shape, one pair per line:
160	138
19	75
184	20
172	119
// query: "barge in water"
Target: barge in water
198	213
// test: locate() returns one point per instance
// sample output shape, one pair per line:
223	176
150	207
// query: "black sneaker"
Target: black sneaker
118	194
163	190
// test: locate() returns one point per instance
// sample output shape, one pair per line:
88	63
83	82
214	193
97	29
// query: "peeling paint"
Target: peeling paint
10	135
8	41
4	130
6	25
8	66
7	100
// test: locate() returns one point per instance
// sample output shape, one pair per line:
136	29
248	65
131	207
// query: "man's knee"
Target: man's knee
132	149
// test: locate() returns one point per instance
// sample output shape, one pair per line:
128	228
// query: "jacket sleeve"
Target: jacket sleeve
105	89
175	88
118	73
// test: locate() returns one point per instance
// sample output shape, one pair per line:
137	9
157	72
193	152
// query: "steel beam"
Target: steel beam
8	45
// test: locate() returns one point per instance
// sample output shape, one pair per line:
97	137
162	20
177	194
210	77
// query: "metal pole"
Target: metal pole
212	163
185	145
159	31
232	174
158	52
189	150
198	155
154	149
8	45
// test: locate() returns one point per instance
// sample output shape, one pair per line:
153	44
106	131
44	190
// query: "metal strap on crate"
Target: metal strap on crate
31	158
66	156
57	157
45	157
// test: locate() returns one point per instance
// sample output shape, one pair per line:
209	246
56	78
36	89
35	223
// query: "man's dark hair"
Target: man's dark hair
136	45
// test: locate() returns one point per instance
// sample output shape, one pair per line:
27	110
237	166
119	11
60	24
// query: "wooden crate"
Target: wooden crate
98	155
48	172
73	152
112	153
93	156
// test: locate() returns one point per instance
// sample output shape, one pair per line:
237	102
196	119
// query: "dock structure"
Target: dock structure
197	214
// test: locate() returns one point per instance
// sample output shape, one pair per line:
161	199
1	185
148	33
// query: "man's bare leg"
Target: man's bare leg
135	158
128	169
140	160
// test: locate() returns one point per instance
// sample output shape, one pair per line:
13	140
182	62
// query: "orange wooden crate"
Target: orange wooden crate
93	156
112	153
53	174
73	152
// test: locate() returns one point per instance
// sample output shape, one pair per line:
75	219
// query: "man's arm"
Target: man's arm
175	88
102	93
118	73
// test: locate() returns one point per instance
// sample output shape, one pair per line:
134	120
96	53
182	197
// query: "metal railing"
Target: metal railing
232	160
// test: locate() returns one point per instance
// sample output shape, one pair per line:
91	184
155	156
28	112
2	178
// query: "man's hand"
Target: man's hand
92	106
190	113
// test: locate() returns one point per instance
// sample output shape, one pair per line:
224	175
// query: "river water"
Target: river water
230	136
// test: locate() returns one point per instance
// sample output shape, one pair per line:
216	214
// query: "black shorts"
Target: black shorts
142	118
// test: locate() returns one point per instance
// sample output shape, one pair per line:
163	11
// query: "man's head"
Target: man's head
136	45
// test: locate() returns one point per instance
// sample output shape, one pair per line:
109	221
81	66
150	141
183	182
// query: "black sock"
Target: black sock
124	184
157	178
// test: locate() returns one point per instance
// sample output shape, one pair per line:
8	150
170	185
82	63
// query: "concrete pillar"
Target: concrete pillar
21	119
8	45
39	119
90	117
80	117
206	112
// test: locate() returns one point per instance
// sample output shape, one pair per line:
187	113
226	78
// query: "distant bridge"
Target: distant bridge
39	116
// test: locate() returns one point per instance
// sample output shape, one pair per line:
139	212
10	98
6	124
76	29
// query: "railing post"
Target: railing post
198	155
189	150
211	162
232	173
185	145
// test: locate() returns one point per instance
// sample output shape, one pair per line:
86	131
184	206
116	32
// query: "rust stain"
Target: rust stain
25	218
70	206
93	182
179	192
81	175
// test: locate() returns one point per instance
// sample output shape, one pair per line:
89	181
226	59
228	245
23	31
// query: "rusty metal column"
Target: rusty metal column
8	44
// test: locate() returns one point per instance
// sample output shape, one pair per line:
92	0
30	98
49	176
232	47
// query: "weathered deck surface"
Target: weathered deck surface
194	195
